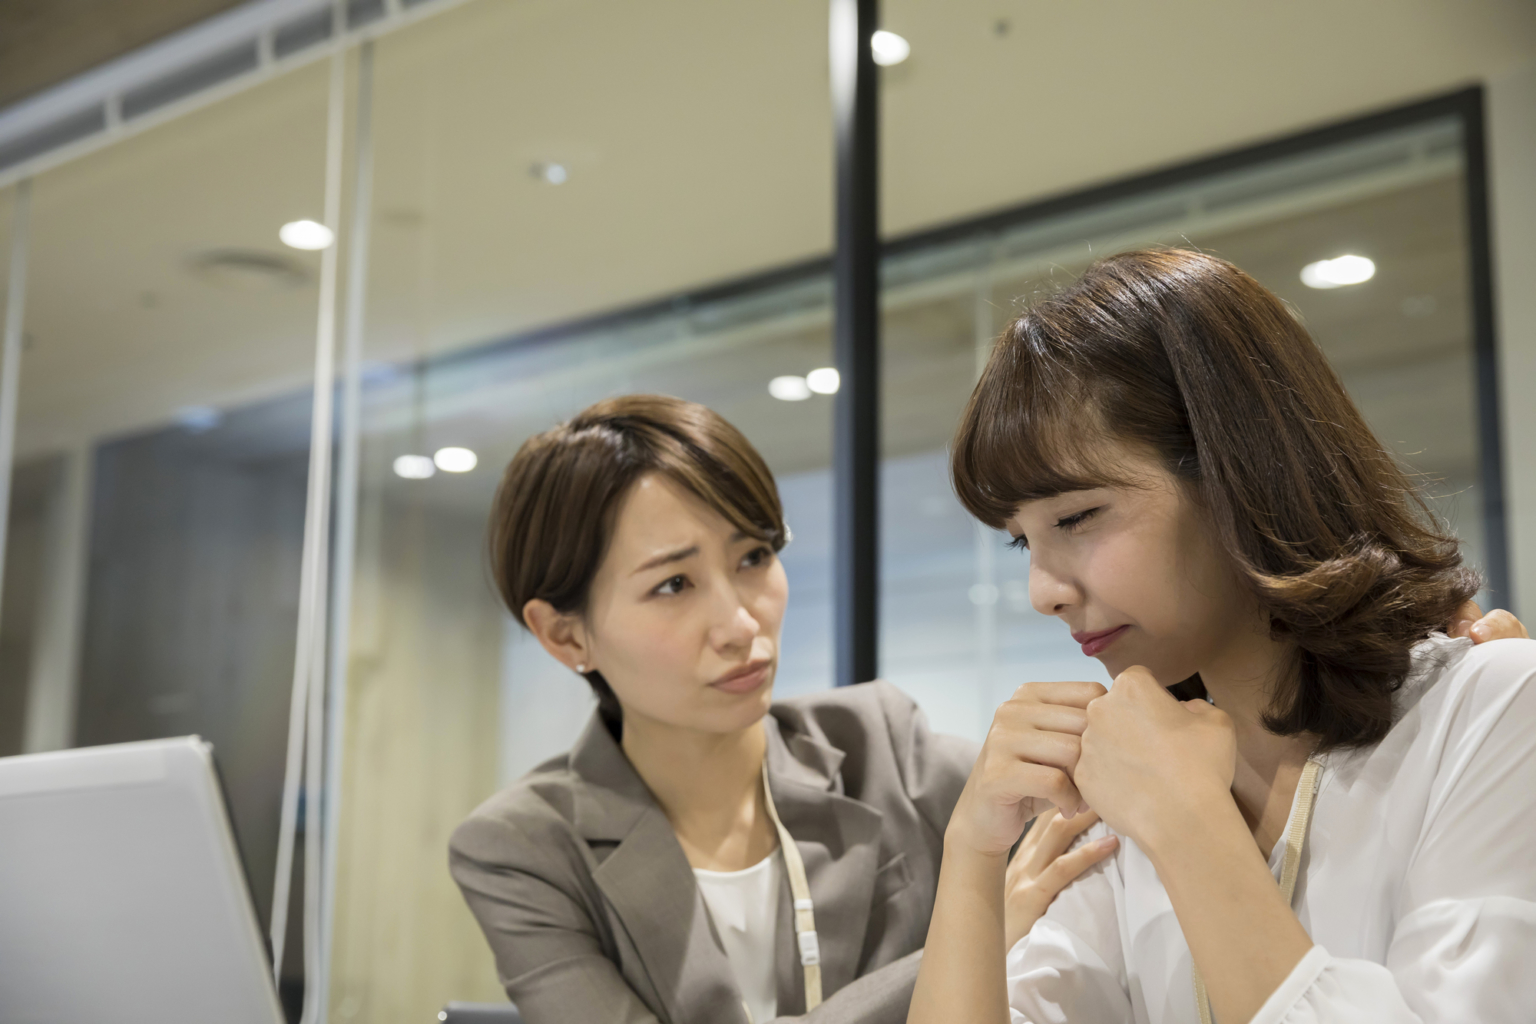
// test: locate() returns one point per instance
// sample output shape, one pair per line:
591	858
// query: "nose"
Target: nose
734	626
1050	592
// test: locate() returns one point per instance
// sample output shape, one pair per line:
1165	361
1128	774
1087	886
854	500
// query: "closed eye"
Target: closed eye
1072	522
1019	543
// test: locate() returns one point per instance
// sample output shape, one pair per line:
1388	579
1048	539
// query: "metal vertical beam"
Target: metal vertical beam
856	342
10	355
1490	434
984	592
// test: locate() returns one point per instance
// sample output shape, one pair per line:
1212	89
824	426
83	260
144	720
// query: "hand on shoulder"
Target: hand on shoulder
1469	621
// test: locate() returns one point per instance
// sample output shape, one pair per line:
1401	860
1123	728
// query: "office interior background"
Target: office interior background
581	199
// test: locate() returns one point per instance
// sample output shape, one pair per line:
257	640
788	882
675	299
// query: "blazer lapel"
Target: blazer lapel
839	839
647	881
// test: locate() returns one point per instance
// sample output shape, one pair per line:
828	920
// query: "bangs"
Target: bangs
1032	429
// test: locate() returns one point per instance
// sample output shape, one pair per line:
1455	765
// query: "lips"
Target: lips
1095	643
745	679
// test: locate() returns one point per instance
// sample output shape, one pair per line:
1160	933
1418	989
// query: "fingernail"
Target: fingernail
1106	842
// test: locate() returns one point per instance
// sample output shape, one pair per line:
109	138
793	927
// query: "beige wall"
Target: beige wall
420	755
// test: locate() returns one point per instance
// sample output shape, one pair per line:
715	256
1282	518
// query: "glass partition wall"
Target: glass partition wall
450	699
162	448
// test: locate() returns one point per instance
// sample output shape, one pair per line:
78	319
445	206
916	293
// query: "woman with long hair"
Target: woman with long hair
703	854
1316	806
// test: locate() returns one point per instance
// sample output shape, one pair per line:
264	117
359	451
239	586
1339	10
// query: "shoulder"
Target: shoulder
879	729
538	811
1458	669
1472	690
848	712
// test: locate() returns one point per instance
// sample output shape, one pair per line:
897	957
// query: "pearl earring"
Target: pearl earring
581	668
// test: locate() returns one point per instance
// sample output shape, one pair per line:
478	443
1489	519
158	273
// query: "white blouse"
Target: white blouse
744	906
1417	884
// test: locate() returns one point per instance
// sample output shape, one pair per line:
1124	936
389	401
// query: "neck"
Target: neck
709	785
1243	683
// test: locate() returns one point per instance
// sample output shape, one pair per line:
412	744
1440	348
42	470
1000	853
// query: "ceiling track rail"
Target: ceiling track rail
184	72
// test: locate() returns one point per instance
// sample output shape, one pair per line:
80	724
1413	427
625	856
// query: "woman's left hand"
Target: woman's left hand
1146	756
1469	621
1045	864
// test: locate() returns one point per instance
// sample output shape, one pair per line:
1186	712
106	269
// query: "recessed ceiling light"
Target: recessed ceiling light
824	381
455	460
414	467
889	48
306	234
1338	272
789	389
551	173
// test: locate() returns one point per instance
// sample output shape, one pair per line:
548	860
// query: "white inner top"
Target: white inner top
744	906
1416	881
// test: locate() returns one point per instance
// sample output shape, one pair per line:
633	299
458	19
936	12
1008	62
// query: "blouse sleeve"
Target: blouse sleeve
1466	919
1070	966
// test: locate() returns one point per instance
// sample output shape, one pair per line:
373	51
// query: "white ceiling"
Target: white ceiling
698	140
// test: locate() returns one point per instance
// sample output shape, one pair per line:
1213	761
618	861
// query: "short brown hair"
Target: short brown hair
553	514
1185	354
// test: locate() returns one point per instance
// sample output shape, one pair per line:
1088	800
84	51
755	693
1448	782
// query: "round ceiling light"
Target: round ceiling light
306	234
1338	273
414	467
889	48
552	173
824	381
455	460
789	389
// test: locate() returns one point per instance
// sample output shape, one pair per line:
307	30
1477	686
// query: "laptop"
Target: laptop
122	895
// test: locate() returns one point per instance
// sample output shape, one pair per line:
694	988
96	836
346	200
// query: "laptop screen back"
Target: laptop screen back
122	897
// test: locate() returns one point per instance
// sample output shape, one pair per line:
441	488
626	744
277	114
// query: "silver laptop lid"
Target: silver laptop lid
122	897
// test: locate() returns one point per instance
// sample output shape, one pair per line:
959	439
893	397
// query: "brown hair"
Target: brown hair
1186	354
554	511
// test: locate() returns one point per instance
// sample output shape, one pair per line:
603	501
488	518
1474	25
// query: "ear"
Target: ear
562	635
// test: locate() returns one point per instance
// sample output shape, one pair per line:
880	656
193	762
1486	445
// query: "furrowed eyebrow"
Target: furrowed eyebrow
672	556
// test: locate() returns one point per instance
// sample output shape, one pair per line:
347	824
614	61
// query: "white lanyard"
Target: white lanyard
1290	867
800	889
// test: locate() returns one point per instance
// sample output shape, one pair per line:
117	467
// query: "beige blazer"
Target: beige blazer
591	907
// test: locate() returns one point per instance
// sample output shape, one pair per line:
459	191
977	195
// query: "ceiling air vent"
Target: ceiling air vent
209	71
250	43
52	135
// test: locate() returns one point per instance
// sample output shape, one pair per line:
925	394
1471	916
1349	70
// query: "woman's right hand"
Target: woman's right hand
1025	766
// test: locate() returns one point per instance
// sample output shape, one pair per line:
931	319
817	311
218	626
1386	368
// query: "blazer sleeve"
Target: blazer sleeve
880	997
548	953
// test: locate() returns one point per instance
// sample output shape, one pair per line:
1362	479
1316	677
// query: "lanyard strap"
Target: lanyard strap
805	911
1290	867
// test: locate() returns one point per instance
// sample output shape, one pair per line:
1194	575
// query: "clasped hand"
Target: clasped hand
1126	752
